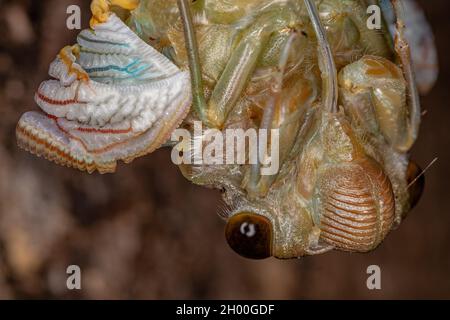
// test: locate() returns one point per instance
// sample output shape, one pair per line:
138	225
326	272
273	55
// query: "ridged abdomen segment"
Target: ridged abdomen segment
356	205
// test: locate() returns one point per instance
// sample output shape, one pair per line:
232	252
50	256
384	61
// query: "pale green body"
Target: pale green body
240	44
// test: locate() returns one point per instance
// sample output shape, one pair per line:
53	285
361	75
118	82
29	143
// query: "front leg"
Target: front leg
277	115
243	63
404	53
234	79
326	60
259	185
238	70
374	94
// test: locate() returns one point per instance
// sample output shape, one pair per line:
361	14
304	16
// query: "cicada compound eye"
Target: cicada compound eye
250	235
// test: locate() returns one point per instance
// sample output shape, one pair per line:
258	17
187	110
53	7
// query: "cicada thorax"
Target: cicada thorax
354	201
356	205
348	34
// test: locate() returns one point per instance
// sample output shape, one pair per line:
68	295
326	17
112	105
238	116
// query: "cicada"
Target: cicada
341	97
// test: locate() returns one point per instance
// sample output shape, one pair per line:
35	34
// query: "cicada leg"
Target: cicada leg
101	9
258	185
404	53
198	95
353	199
237	72
326	60
234	78
239	69
282	112
373	92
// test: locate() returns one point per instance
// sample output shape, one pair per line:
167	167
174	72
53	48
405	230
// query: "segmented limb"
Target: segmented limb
253	187
233	80
237	72
404	53
326	60
241	66
198	102
101	9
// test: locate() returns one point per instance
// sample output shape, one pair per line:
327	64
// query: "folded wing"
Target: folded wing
113	97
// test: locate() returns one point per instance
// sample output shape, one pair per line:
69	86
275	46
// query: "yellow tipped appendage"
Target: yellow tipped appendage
66	54
101	9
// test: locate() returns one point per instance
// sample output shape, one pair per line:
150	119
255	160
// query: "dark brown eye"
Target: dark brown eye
416	185
250	235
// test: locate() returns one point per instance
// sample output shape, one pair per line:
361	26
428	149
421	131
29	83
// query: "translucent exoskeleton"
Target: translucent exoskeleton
343	98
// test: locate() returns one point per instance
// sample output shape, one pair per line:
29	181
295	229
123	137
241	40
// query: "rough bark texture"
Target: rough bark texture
145	232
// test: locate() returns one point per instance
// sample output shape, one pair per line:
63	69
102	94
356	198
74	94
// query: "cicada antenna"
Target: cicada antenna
199	102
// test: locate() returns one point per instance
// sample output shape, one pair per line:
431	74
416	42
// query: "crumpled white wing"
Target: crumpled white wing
117	99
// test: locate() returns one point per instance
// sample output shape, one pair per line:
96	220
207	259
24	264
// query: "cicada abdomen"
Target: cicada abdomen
356	205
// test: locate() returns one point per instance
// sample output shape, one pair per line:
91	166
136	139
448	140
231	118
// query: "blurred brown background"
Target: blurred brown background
145	232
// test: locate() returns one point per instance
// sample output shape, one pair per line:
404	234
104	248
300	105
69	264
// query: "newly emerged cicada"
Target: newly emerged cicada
336	96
